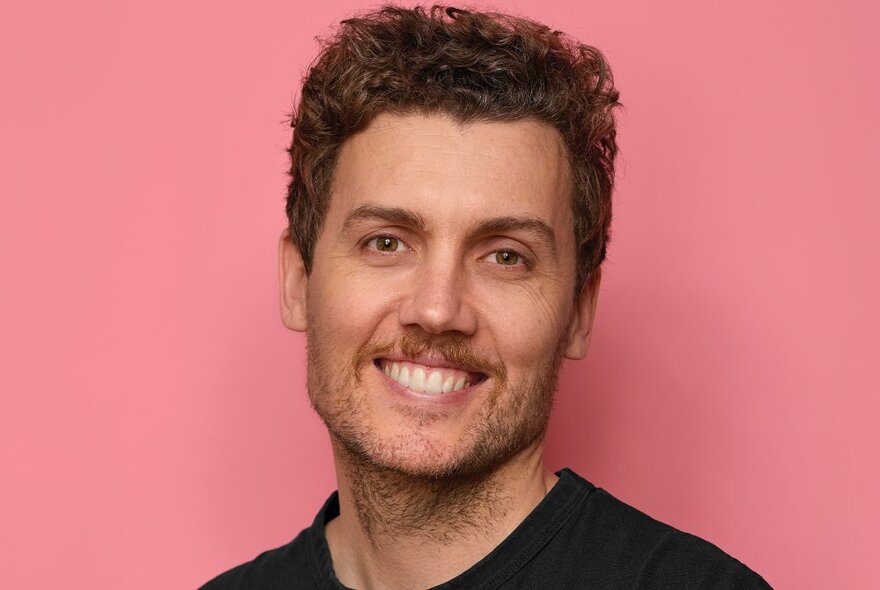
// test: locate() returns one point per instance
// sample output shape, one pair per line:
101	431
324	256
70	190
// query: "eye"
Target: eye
384	244
506	258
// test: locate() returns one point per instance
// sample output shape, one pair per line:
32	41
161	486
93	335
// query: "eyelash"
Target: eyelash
523	261
381	237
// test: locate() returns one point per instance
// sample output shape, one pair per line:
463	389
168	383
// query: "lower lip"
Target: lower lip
452	397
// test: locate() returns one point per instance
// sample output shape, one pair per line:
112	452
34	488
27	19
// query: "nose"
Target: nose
438	300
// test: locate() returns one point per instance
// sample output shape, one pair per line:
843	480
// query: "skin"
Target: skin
418	259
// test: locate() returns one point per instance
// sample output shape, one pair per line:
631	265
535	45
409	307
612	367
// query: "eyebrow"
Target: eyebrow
397	215
532	225
400	216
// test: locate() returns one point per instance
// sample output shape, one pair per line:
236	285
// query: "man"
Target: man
449	207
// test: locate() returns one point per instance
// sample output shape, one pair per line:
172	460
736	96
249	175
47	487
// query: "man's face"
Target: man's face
441	297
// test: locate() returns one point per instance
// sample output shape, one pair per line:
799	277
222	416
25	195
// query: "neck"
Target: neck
399	531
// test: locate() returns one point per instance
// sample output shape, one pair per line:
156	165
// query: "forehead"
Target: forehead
448	170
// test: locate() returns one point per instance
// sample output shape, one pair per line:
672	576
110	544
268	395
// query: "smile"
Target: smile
426	379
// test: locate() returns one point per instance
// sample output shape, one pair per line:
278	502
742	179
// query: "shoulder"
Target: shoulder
647	553
283	567
302	564
682	560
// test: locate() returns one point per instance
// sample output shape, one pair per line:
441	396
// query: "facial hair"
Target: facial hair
443	499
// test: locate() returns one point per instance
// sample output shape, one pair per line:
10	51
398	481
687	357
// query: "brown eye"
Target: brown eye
386	243
506	257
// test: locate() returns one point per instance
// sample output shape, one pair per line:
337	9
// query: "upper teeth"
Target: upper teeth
422	379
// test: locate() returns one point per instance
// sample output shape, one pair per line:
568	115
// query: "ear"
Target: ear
292	279
581	326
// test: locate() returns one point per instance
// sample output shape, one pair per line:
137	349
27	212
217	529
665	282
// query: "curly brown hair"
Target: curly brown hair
471	66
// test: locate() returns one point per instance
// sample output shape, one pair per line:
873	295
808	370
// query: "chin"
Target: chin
419	456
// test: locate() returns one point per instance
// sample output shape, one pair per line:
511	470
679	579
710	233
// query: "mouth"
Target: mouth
428	379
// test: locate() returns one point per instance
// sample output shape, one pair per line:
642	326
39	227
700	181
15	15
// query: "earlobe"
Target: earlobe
292	280
581	327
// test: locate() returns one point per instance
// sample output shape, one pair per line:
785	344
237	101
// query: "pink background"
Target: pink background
154	428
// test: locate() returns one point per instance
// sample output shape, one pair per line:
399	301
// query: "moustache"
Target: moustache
452	348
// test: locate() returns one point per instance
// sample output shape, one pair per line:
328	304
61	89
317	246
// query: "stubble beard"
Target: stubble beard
446	496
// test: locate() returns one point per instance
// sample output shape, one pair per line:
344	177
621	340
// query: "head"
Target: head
449	208
470	67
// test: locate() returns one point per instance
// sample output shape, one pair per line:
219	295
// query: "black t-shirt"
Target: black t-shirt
579	536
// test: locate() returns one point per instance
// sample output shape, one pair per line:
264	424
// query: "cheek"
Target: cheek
526	321
349	304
